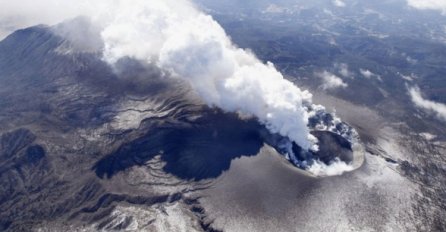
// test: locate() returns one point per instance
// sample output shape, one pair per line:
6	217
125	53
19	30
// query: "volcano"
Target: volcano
73	127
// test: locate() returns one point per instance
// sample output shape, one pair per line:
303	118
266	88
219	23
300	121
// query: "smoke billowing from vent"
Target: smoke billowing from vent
185	43
189	44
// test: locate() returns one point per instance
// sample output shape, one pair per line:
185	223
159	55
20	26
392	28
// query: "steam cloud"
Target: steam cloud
189	44
437	108
428	5
339	3
330	81
336	168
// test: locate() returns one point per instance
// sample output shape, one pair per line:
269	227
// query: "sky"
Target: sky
24	13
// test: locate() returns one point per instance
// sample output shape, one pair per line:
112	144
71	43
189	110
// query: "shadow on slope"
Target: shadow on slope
199	151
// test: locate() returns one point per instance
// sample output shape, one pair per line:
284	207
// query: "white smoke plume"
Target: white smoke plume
189	44
336	168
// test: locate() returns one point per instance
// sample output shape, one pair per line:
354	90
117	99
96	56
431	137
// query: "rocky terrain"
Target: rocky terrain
89	147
